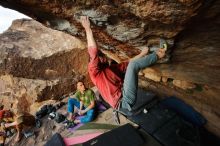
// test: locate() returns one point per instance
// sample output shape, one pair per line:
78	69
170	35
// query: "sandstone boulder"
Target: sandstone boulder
38	63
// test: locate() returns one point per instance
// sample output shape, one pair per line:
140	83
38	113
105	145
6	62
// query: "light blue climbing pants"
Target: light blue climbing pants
130	86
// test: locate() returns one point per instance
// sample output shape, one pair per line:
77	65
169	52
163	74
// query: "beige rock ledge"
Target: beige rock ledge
184	84
152	74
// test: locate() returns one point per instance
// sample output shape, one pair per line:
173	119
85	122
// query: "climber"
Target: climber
18	120
84	100
117	83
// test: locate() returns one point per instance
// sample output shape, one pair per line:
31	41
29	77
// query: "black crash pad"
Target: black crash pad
125	135
56	140
154	119
144	100
178	132
167	127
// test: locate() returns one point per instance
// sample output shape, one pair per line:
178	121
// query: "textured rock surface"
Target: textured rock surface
38	63
124	25
122	28
20	93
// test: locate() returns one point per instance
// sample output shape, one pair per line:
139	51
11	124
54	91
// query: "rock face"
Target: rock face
38	63
122	29
119	26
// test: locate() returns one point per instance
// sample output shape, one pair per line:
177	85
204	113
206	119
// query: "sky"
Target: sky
7	16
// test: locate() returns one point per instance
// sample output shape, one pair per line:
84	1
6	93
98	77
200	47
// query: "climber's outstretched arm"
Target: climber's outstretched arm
89	35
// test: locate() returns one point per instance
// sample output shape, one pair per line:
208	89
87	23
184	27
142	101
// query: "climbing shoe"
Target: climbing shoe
163	44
